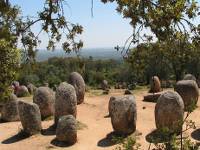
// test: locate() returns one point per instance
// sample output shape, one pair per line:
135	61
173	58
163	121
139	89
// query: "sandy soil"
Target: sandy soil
93	137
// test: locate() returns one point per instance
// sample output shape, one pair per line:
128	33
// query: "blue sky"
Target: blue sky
106	29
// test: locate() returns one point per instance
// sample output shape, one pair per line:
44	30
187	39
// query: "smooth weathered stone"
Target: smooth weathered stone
44	97
10	109
31	88
30	117
66	101
188	90
123	113
169	112
22	91
104	85
152	97
66	130
155	85
78	82
189	77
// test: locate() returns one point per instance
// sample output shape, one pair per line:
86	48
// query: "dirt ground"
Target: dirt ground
93	115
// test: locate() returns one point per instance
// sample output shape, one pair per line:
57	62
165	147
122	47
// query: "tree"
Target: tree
171	25
163	18
9	62
15	27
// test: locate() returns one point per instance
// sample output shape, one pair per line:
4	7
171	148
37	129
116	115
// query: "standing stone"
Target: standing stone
155	85
66	101
44	97
169	112
15	84
30	117
189	77
123	114
31	88
110	105
104	85
77	81
22	91
10	109
66	130
188	90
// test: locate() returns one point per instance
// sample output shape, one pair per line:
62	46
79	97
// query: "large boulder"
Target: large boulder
155	85
44	97
77	81
31	88
22	91
66	130
188	90
66	101
169	112
123	113
10	109
104	85
30	117
189	77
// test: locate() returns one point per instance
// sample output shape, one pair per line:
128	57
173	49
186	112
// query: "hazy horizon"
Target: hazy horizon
96	53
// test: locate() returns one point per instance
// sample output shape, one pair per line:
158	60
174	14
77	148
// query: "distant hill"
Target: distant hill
96	53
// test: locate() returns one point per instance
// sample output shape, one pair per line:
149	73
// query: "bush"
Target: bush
9	61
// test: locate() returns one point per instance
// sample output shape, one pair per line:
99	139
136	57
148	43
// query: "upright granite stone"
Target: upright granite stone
123	113
31	88
104	85
10	109
189	91
66	101
189	77
30	117
155	85
78	82
169	112
66	130
22	91
44	97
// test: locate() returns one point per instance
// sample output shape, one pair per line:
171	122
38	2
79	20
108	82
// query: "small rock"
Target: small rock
127	92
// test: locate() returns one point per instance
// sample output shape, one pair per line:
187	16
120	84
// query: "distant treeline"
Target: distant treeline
56	70
139	68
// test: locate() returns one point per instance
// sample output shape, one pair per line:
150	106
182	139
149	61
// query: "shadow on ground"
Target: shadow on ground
157	137
57	143
108	140
16	138
107	116
49	131
3	121
196	134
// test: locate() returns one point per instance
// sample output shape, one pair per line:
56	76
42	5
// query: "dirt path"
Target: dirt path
93	137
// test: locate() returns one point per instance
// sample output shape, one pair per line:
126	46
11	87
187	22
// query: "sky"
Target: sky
106	29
